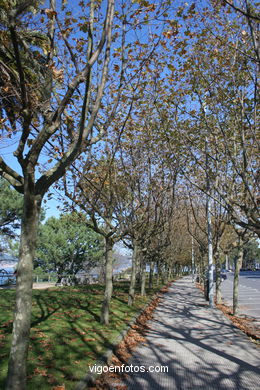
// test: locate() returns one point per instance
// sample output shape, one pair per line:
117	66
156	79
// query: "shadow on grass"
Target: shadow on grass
66	335
46	311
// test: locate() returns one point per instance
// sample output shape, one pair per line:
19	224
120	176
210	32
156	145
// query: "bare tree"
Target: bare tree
41	110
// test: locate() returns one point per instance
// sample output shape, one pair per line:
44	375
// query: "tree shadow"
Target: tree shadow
46	312
201	349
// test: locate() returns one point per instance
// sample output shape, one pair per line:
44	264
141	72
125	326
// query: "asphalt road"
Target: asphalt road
249	293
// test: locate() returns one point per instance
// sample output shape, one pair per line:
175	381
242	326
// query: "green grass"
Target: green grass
66	336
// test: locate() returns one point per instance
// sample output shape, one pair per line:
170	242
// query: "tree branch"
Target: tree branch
77	146
241	11
11	176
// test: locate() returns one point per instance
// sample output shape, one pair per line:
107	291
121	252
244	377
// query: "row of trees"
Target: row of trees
137	112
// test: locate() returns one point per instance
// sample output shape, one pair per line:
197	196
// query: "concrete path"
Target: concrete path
200	346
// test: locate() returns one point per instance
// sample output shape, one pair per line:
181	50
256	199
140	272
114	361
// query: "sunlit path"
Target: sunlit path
200	347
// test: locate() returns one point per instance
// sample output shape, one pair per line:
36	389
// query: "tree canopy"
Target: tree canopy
66	246
145	113
11	209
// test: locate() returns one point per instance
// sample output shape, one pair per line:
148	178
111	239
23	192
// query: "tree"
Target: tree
211	96
242	239
227	94
10	217
99	193
151	181
11	209
251	254
66	246
67	110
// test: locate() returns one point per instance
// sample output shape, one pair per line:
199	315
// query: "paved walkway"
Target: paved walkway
199	345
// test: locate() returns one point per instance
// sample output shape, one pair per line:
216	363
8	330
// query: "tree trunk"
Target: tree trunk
226	262
202	269
192	260
109	281
161	273
238	264
178	267
151	274
133	275
138	267
170	273
102	272
158	273
218	278
166	272
143	276
210	248
16	377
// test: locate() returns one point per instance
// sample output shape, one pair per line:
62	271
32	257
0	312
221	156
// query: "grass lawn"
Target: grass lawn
66	336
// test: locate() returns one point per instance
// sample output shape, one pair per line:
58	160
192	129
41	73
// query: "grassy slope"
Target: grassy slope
66	336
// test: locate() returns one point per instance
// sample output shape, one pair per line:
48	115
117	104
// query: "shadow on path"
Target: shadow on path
198	345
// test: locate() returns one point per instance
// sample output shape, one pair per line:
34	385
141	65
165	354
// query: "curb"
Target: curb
105	359
245	332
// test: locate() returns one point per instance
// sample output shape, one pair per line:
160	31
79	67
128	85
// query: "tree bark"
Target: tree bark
238	265
202	269
178	269
166	272
192	260
218	278
158	273
109	281
169	273
102	273
143	276
133	276
210	249
226	262
16	377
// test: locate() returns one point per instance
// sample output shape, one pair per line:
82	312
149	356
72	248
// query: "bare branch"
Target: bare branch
11	176
246	13
77	146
